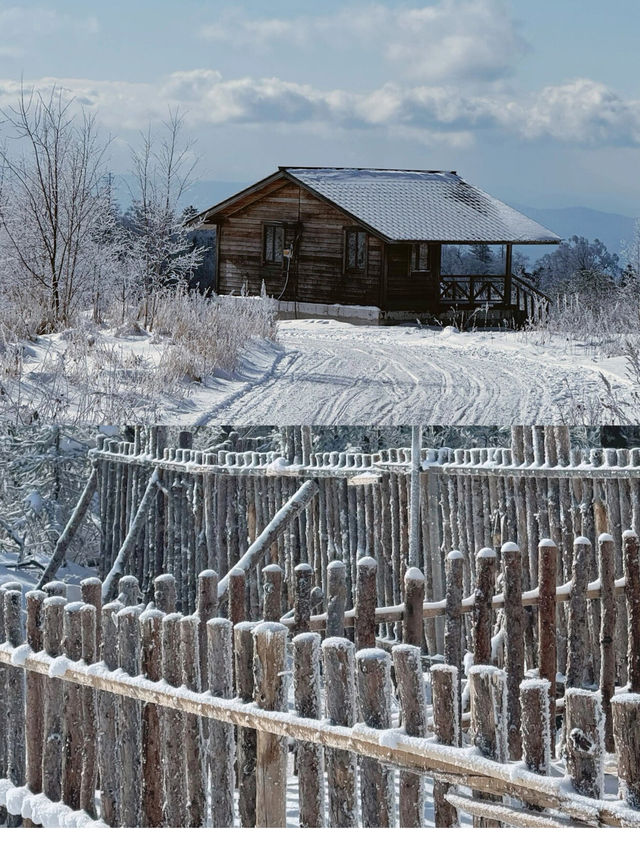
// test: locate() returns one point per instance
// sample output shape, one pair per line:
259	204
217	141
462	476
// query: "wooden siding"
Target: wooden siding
317	231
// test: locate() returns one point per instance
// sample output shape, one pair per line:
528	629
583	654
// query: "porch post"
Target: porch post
507	273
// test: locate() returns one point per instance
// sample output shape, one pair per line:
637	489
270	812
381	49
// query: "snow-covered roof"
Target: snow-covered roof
421	205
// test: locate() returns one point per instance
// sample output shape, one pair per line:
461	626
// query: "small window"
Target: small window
273	243
420	257
355	250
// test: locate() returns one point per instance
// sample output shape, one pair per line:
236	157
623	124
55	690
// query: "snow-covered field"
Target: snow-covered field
328	372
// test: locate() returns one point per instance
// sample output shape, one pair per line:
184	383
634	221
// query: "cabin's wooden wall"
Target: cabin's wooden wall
317	273
416	291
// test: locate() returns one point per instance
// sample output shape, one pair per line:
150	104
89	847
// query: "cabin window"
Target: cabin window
355	250
273	243
420	257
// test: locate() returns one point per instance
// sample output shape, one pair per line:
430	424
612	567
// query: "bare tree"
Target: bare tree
51	204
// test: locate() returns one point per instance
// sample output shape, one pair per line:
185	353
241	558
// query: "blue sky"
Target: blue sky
538	102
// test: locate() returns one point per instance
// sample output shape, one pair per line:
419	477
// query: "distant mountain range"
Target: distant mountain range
613	229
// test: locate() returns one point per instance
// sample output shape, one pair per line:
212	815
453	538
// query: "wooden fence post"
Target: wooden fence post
35	692
514	642
585	742
482	613
151	668
306	682
631	562
73	739
626	731
488	691
15	687
172	728
606	566
194	744
53	609
88	622
107	721
237	600
445	687
339	671
413	603
129	590
55	589
91	591
547	580
129	720
336	598
247	737
366	597
207	608
303	579
221	739
577	621
534	701
376	780
272	593
269	663
407	662
165	594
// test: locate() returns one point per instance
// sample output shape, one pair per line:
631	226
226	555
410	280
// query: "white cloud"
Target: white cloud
446	40
582	112
20	26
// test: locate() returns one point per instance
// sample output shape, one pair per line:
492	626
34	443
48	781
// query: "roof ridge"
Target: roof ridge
368	169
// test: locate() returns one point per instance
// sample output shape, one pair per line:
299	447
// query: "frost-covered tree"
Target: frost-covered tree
577	259
52	208
160	254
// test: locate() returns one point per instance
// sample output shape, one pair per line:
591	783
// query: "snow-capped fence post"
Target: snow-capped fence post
338	656
221	735
303	580
488	693
336	598
129	590
577	620
374	700
88	621
513	642
55	589
407	662
631	561
151	668
129	729
15	688
246	758
53	609
606	565
206	609
107	721
269	663
165	595
482	613
445	689
534	702
306	683
172	728
90	590
585	742
365	618
626	731
194	744
272	593
35	690
547	574
413	604
237	600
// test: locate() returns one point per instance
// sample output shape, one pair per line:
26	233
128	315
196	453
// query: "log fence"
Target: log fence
113	703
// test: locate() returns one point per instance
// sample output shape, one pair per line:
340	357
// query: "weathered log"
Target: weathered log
88	621
631	563
165	595
35	692
269	663
194	745
172	728
129	590
413	632
72	527
14	722
585	742
306	684
488	692
534	701
407	663
151	668
129	720
237	598
339	671
272	593
626	731
247	737
485	581
107	722
336	598
606	566
376	781
577	621
365	608
221	740
445	687
303	580
547	573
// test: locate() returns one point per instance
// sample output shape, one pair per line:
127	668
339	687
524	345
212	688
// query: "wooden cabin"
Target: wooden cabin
366	244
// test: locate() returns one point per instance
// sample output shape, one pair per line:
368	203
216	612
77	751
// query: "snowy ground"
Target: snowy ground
328	372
